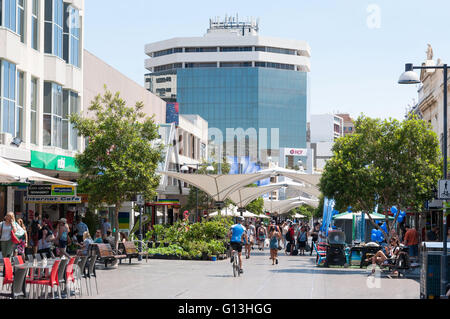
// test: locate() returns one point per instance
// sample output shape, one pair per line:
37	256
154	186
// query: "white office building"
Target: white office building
41	43
325	129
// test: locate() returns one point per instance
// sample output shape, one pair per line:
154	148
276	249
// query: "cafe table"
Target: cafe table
37	267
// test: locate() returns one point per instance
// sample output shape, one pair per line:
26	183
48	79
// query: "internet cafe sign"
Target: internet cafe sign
51	190
52	194
295	152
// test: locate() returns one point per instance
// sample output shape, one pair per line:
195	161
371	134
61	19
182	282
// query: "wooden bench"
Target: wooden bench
105	254
129	249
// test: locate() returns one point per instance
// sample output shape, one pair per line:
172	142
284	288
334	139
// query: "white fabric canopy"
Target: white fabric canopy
233	211
285	209
13	173
219	187
246	195
312	179
273	205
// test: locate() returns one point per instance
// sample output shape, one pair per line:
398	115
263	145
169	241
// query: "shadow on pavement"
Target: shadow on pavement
320	271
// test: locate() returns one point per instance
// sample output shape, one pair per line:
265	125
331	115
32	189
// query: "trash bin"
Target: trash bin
430	275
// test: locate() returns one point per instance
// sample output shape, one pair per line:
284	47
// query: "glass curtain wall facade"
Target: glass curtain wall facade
248	98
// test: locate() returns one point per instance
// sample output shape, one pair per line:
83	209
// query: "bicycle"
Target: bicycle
235	264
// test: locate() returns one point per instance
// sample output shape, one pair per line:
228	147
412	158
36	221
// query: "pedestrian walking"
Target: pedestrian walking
301	240
36	227
411	240
23	239
262	233
314	236
284	230
7	227
274	237
81	229
62	237
290	238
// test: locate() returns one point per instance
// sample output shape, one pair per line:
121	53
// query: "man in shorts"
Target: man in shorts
237	232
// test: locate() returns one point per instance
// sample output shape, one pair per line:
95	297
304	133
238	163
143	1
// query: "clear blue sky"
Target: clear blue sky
355	68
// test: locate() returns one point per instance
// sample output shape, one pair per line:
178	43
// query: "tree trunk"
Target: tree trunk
116	217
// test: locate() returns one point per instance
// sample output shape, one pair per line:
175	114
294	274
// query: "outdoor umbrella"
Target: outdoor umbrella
13	173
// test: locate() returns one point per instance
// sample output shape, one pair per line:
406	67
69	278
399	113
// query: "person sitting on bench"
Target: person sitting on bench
384	259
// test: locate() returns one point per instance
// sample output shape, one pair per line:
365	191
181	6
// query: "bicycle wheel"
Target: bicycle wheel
235	267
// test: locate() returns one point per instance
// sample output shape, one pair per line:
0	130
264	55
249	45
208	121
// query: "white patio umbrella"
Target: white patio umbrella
13	173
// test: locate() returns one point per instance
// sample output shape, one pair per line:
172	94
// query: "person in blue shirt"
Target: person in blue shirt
237	232
81	229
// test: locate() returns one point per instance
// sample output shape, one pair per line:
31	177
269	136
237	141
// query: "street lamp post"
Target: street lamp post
411	77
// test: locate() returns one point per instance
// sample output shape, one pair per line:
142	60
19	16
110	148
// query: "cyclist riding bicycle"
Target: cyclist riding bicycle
237	234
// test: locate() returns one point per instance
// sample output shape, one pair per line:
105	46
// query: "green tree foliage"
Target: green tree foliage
389	163
256	207
122	155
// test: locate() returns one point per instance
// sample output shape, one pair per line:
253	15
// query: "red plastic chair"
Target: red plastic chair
70	278
51	282
8	272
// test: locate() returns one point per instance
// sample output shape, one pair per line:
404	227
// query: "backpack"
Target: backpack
288	235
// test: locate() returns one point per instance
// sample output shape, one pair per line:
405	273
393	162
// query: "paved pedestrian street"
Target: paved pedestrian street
296	277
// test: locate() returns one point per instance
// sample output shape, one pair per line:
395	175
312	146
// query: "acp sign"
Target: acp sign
295	152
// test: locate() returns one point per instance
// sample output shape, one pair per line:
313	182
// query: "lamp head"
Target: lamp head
409	76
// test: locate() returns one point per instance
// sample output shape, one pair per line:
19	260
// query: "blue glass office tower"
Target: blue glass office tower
248	97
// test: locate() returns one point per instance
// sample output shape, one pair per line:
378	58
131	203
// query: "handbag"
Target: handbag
14	238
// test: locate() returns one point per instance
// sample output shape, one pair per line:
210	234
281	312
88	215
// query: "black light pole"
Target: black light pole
410	77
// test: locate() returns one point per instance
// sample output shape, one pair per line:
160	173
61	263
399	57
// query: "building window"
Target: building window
72	35
71	103
197	50
54	27
35	25
168	67
274	65
21	19
33	107
20	104
276	50
8	97
53	114
8	14
201	65
235	49
235	64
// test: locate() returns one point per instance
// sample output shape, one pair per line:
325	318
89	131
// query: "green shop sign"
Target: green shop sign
53	162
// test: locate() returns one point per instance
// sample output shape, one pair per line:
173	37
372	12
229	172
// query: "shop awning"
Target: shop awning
13	173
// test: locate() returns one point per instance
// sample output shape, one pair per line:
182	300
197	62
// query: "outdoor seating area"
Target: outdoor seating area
36	277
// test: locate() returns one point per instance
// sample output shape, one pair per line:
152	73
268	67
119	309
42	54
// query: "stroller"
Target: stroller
336	255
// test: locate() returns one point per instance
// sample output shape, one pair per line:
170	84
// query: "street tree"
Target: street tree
122	154
386	163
